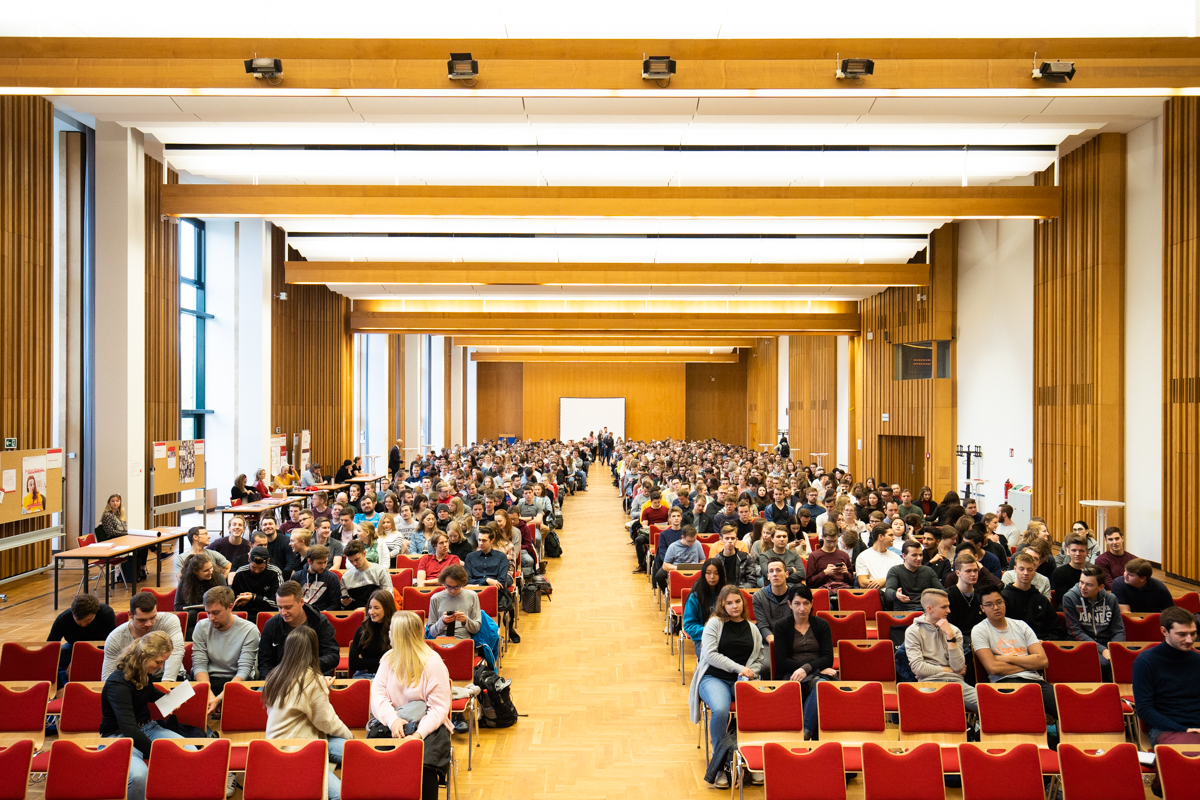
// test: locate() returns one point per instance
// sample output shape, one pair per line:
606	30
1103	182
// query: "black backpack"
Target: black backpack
552	545
495	699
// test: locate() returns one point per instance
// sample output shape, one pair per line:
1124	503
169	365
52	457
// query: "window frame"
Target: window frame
195	415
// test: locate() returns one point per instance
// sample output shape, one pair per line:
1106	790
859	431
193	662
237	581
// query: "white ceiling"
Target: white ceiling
611	19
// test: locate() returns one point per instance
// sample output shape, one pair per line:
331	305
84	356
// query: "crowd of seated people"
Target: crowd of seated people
982	592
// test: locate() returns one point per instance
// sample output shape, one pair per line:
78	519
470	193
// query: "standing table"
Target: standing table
125	545
1102	507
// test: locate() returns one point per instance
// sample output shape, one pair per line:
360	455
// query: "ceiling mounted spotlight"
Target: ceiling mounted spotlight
1053	70
269	68
856	68
461	67
658	69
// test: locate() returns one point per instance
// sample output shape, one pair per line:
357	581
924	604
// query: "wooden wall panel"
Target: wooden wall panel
395	383
812	398
920	408
762	393
26	294
498	399
448	379
162	327
655	402
1181	333
716	401
1079	338
311	327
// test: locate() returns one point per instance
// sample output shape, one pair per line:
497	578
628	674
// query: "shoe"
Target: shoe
514	637
231	785
722	781
461	727
640	571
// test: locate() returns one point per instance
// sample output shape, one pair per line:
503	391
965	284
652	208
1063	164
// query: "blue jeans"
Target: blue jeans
336	746
810	706
137	760
717	694
582	479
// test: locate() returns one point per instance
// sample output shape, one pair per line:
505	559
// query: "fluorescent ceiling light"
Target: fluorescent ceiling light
608	225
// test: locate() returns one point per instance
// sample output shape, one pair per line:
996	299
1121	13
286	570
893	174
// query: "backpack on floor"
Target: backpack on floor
551	545
542	585
531	599
495	699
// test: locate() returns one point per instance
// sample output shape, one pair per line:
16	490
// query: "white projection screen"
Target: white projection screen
579	416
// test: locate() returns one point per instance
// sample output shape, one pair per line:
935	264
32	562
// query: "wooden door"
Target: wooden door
902	461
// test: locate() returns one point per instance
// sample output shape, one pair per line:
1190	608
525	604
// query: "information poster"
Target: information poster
33	481
278	449
172	456
305	445
187	461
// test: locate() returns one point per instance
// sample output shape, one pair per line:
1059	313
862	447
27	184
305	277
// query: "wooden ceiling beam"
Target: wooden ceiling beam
435	273
616	358
600	324
901	202
624	339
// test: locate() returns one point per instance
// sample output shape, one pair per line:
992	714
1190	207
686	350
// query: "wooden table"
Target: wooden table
365	479
126	545
332	488
257	507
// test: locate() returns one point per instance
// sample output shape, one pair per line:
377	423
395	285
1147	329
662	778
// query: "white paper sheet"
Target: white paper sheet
54	459
199	447
174	698
160	449
10	480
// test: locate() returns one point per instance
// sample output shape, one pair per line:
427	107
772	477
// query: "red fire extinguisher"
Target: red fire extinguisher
1008	484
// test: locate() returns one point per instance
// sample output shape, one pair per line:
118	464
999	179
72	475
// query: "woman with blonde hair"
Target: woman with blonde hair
390	537
125	704
410	696
366	534
296	696
112	521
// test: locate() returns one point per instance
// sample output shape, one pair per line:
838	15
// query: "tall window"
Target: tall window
191	328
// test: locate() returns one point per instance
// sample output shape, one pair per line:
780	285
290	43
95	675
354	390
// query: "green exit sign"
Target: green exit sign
10	444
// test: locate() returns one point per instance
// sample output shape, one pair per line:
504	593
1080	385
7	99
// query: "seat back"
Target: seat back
919	764
81	712
993	772
179	774
931	712
276	774
868	660
382	769
850	712
1142	627
677	581
87	773
1011	713
1178	770
418	599
747	604
845	624
1190	601
708	538
404	562
864	600
32	663
164	600
15	762
24	714
1123	655
243	715
352	702
489	601
1089	714
886	620
458	657
261	620
1072	662
401	578
769	711
87	660
345	624
1113	774
194	711
810	772
820	600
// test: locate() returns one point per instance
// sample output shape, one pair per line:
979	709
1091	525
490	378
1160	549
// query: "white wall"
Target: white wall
457	396
237	351
437	392
843	404
375	405
1143	339
995	352
785	353
472	398
412	396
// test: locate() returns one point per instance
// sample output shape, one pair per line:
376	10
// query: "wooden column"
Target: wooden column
447	383
1181	333
812	398
762	393
1079	339
26	295
395	383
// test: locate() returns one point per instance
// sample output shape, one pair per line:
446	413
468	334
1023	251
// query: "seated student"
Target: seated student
373	637
1044	552
987	559
1138	591
667	537
684	551
740	569
418	542
320	506
143	619
1115	556
731	648
260	484
1093	615
993	542
198	536
698	516
299	541
1080	528
829	567
224	646
804	651
770	602
347	530
361	578
656	513
256	583
986	578
368	513
778	547
454	611
286	477
965	605
1066	576
727	514
295	613
431	565
199	575
1039	581
375	550
1166	682
1008	649
701	600
324	537
297	701
278	543
322	588
906	581
240	492
939	550
487	565
872	565
87	620
125	703
778	511
257	539
293	520
234	544
934	646
460	546
1024	602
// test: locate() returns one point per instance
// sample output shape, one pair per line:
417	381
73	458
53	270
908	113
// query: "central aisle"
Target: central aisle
607	712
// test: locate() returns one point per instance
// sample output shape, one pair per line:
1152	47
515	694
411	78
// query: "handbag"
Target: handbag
531	599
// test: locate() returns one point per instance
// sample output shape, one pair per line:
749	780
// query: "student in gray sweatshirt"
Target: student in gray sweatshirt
1093	614
935	647
224	647
454	611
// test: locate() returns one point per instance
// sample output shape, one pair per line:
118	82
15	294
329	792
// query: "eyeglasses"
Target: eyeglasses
997	604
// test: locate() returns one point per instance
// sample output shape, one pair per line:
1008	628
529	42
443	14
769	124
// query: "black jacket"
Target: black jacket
270	644
366	659
1035	610
262	585
785	634
323	592
124	709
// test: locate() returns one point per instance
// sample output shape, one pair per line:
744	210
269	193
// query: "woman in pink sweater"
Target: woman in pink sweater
410	695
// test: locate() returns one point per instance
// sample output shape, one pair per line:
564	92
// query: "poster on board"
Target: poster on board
33	483
187	461
278	448
172	459
305	445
